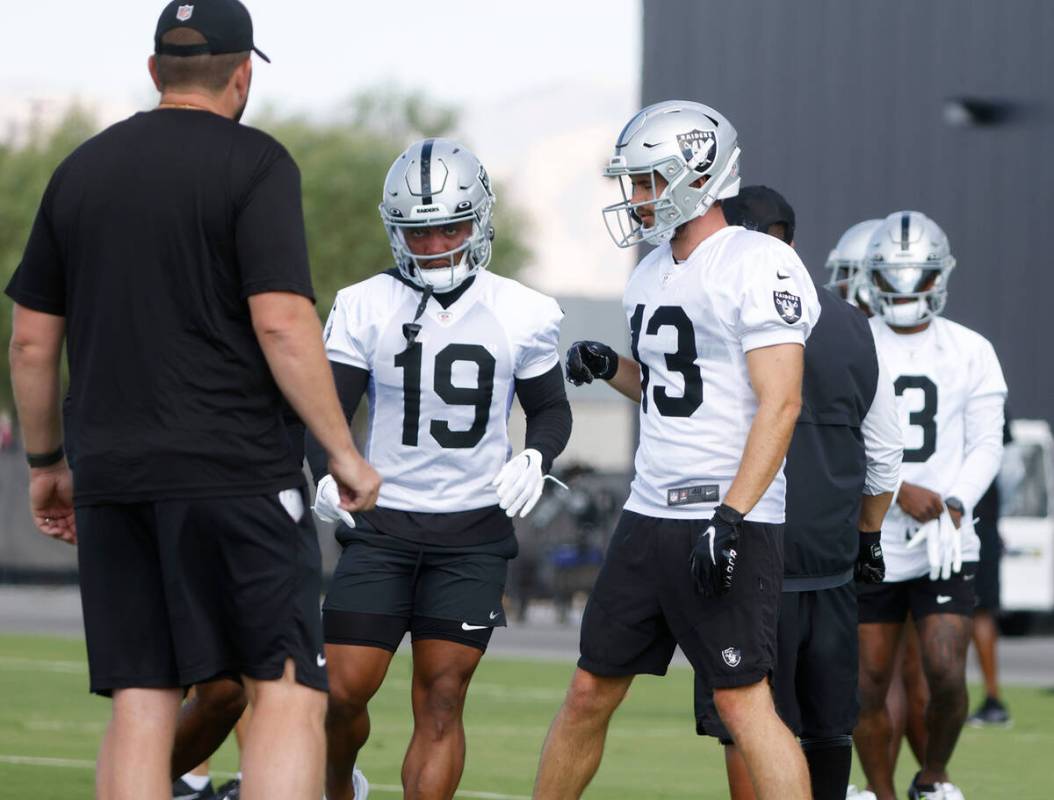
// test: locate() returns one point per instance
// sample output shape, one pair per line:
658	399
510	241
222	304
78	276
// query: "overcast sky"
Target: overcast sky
543	89
322	50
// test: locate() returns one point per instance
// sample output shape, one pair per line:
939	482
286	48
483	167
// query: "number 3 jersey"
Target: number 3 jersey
950	397
438	422
692	325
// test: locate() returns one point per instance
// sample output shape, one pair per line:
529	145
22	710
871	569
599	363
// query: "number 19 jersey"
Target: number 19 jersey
438	424
692	324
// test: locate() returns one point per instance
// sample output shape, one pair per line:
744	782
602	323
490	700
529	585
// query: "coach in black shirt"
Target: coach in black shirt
842	466
169	251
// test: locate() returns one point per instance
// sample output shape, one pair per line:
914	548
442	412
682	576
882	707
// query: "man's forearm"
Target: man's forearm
763	455
873	508
627	379
35	353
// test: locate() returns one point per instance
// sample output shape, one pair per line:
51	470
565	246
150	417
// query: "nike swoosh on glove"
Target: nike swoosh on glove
327	503
520	483
870	564
713	561
589	360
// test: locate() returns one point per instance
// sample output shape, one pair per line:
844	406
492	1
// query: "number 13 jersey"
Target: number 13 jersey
439	409
691	326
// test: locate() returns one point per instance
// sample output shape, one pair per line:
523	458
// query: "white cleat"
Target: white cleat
360	784
859	794
952	792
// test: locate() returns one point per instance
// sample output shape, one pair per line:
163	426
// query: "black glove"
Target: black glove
714	555
870	566
589	360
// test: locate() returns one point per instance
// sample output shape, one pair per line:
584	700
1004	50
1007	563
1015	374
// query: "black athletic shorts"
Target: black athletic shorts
816	667
987	582
645	603
891	602
176	592
385	586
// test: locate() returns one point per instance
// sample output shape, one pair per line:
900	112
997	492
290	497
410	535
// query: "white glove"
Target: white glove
520	482
944	546
327	503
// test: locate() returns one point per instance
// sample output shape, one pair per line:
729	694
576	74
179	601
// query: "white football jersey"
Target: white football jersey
950	399
439	410
692	324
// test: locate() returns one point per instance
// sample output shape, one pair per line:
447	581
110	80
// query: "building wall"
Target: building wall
841	106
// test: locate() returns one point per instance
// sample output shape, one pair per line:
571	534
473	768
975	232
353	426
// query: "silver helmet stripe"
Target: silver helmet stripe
905	231
426	172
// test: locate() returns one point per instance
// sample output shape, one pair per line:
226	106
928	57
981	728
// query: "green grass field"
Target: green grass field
50	728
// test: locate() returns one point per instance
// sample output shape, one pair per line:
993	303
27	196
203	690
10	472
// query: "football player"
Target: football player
842	467
718	317
951	395
845	259
440	346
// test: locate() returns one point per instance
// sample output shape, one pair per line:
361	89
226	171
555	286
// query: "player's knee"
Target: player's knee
741	705
947	687
589	698
346	699
443	704
222	699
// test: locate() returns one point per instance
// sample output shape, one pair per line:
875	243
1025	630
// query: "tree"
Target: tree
342	163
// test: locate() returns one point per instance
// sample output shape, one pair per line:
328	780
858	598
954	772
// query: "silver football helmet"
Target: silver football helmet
438	181
846	258
906	268
680	141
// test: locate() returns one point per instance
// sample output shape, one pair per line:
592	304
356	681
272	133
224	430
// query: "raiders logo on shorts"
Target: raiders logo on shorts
732	656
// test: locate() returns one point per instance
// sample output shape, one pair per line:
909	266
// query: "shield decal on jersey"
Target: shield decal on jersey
183	13
731	656
697	147
788	305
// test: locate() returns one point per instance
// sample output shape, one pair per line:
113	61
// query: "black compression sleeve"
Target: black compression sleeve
548	414
351	386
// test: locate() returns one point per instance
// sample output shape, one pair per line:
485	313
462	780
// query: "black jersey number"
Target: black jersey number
682	361
925	418
478	396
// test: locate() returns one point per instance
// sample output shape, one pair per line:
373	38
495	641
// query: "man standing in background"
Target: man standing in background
842	467
169	252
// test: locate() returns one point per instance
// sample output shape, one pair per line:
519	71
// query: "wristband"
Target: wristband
41	460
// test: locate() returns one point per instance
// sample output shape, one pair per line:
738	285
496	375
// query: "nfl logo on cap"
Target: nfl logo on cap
183	13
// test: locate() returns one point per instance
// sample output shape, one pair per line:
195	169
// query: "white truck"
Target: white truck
1026	525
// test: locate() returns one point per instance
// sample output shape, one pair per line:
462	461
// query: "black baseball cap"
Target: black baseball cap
759	208
225	24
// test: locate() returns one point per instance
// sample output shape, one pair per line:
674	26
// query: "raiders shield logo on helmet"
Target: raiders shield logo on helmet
698	148
183	13
731	656
788	305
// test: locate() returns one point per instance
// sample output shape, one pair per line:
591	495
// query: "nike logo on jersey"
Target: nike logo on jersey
320	660
466	627
942	599
782	275
495	614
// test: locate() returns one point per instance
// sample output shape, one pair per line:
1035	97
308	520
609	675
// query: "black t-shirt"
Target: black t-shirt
149	240
826	462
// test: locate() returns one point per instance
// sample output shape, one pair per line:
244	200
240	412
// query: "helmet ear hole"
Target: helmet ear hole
490	233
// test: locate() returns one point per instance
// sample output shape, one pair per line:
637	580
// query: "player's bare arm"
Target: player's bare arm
35	352
291	339
775	374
